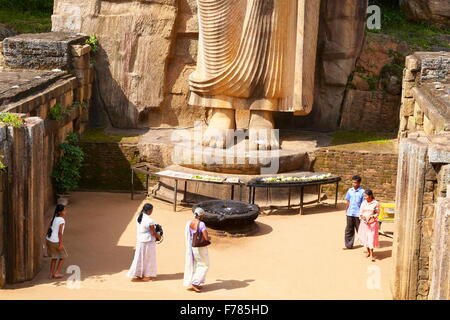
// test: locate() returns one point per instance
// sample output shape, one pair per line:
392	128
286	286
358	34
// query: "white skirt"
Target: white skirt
144	262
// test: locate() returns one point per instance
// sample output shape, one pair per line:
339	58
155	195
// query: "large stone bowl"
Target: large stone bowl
225	214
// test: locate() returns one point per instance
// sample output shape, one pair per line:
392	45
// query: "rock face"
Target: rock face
427	10
149	48
5	32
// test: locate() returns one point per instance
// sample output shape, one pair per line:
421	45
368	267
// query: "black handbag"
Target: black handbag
198	240
159	230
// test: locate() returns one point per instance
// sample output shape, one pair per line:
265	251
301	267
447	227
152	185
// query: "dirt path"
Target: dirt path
292	257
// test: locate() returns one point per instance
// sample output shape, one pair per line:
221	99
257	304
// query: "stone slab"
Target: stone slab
17	84
41	51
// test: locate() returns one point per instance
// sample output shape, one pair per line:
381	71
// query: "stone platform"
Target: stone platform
200	191
164	147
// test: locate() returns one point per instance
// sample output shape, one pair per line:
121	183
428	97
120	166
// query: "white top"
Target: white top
143	229
55	229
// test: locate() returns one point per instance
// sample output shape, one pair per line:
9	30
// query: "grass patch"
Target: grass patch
26	21
347	137
419	35
99	135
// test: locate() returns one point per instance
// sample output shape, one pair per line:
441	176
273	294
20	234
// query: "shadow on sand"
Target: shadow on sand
226	285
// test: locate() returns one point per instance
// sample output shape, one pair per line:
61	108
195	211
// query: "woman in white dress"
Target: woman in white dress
196	258
143	267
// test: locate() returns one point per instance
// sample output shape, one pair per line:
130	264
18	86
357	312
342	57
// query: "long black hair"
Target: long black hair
59	208
147	207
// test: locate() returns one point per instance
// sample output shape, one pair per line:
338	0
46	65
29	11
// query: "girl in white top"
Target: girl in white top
143	267
54	241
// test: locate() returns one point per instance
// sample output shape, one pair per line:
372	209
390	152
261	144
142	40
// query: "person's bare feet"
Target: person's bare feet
147	279
367	254
345	248
194	288
219	127
261	131
136	280
58	276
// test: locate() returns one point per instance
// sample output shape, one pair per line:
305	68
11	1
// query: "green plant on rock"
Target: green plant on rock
11	119
66	173
58	112
2	165
93	42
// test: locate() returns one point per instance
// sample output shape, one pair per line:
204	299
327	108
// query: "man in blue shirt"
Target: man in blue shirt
354	197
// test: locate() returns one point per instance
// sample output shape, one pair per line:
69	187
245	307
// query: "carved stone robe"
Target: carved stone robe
256	54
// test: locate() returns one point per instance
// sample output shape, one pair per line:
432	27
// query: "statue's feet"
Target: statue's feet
218	129
261	131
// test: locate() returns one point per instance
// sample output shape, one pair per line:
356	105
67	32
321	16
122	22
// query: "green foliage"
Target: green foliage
419	35
99	135
345	137
93	42
58	112
24	5
2	165
11	119
66	173
27	16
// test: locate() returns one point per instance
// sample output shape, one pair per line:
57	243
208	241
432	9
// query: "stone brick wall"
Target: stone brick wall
107	166
31	150
425	103
378	170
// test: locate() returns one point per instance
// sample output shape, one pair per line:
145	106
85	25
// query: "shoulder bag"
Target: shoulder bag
198	240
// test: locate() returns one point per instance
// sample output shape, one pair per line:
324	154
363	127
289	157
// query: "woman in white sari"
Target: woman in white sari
143	267
196	259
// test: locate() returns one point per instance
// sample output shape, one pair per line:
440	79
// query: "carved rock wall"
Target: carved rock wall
149	48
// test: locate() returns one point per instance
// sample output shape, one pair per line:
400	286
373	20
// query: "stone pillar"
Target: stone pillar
420	248
25	215
440	262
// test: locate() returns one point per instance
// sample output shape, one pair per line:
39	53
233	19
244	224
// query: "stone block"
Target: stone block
428	126
40	51
79	94
408	75
408	106
79	50
81	62
412	63
82	75
407	89
68	99
411	124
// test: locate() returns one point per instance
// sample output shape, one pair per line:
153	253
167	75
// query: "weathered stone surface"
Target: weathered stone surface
40	51
135	38
427	10
5	32
17	84
341	36
371	111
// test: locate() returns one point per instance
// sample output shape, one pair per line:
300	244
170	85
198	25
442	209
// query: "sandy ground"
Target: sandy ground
292	257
